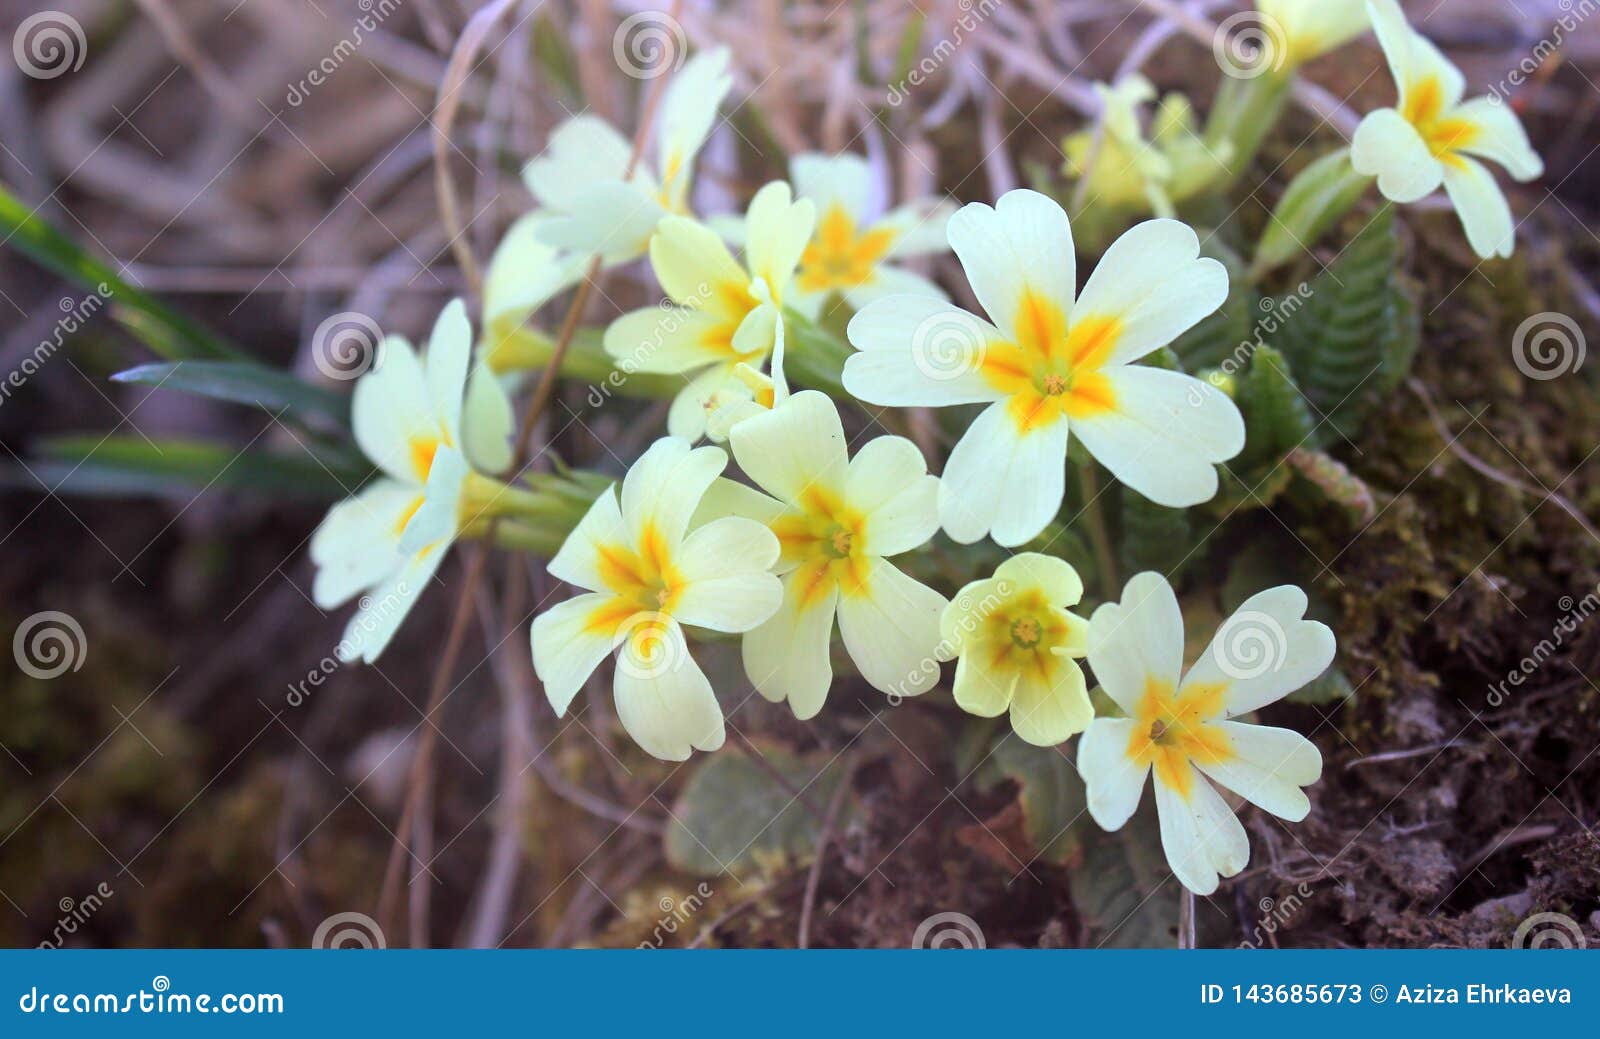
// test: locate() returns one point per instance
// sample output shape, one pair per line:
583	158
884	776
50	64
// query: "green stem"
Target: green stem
1099	535
1244	112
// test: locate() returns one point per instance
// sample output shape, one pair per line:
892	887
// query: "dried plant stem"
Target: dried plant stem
809	903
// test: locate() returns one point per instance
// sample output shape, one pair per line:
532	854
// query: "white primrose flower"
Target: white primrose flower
1306	29
524	274
580	177
1181	729
1017	647
408	417
720	314
644	576
1431	134
856	241
1049	363
837	519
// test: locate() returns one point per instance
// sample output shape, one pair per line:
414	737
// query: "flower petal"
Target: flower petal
843	180
357	544
1163	434
693	265
1200	835
525	272
891	281
726	569
1137	639
787	657
567	649
1056	577
1112	782
666	339
778	230
437	519
918	351
688	110
390	408
1485	213
578	561
487	422
1154	285
1389	148
613	218
891	628
1413	59
664	700
888	483
1264	651
731	498
921	228
795	445
1002	480
383	610
1024	243
1269	768
664	487
980	689
1049	710
1500	137
581	150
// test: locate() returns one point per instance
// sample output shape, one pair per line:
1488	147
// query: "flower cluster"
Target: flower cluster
825	526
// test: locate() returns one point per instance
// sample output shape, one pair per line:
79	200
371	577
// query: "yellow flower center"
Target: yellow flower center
1444	135
1020	635
840	257
1026	632
1053	369
1172	731
639	580
824	535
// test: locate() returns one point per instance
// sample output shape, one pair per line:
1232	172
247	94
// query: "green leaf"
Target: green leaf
1154	537
1315	200
130	466
1332	686
162	329
1124	891
732	812
245	382
1350	332
1243	112
1276	419
1049	790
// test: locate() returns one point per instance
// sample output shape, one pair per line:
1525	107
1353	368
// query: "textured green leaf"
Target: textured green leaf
129	466
732	812
1155	537
162	329
1276	419
245	382
1315	200
1352	332
1049	790
1124	890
